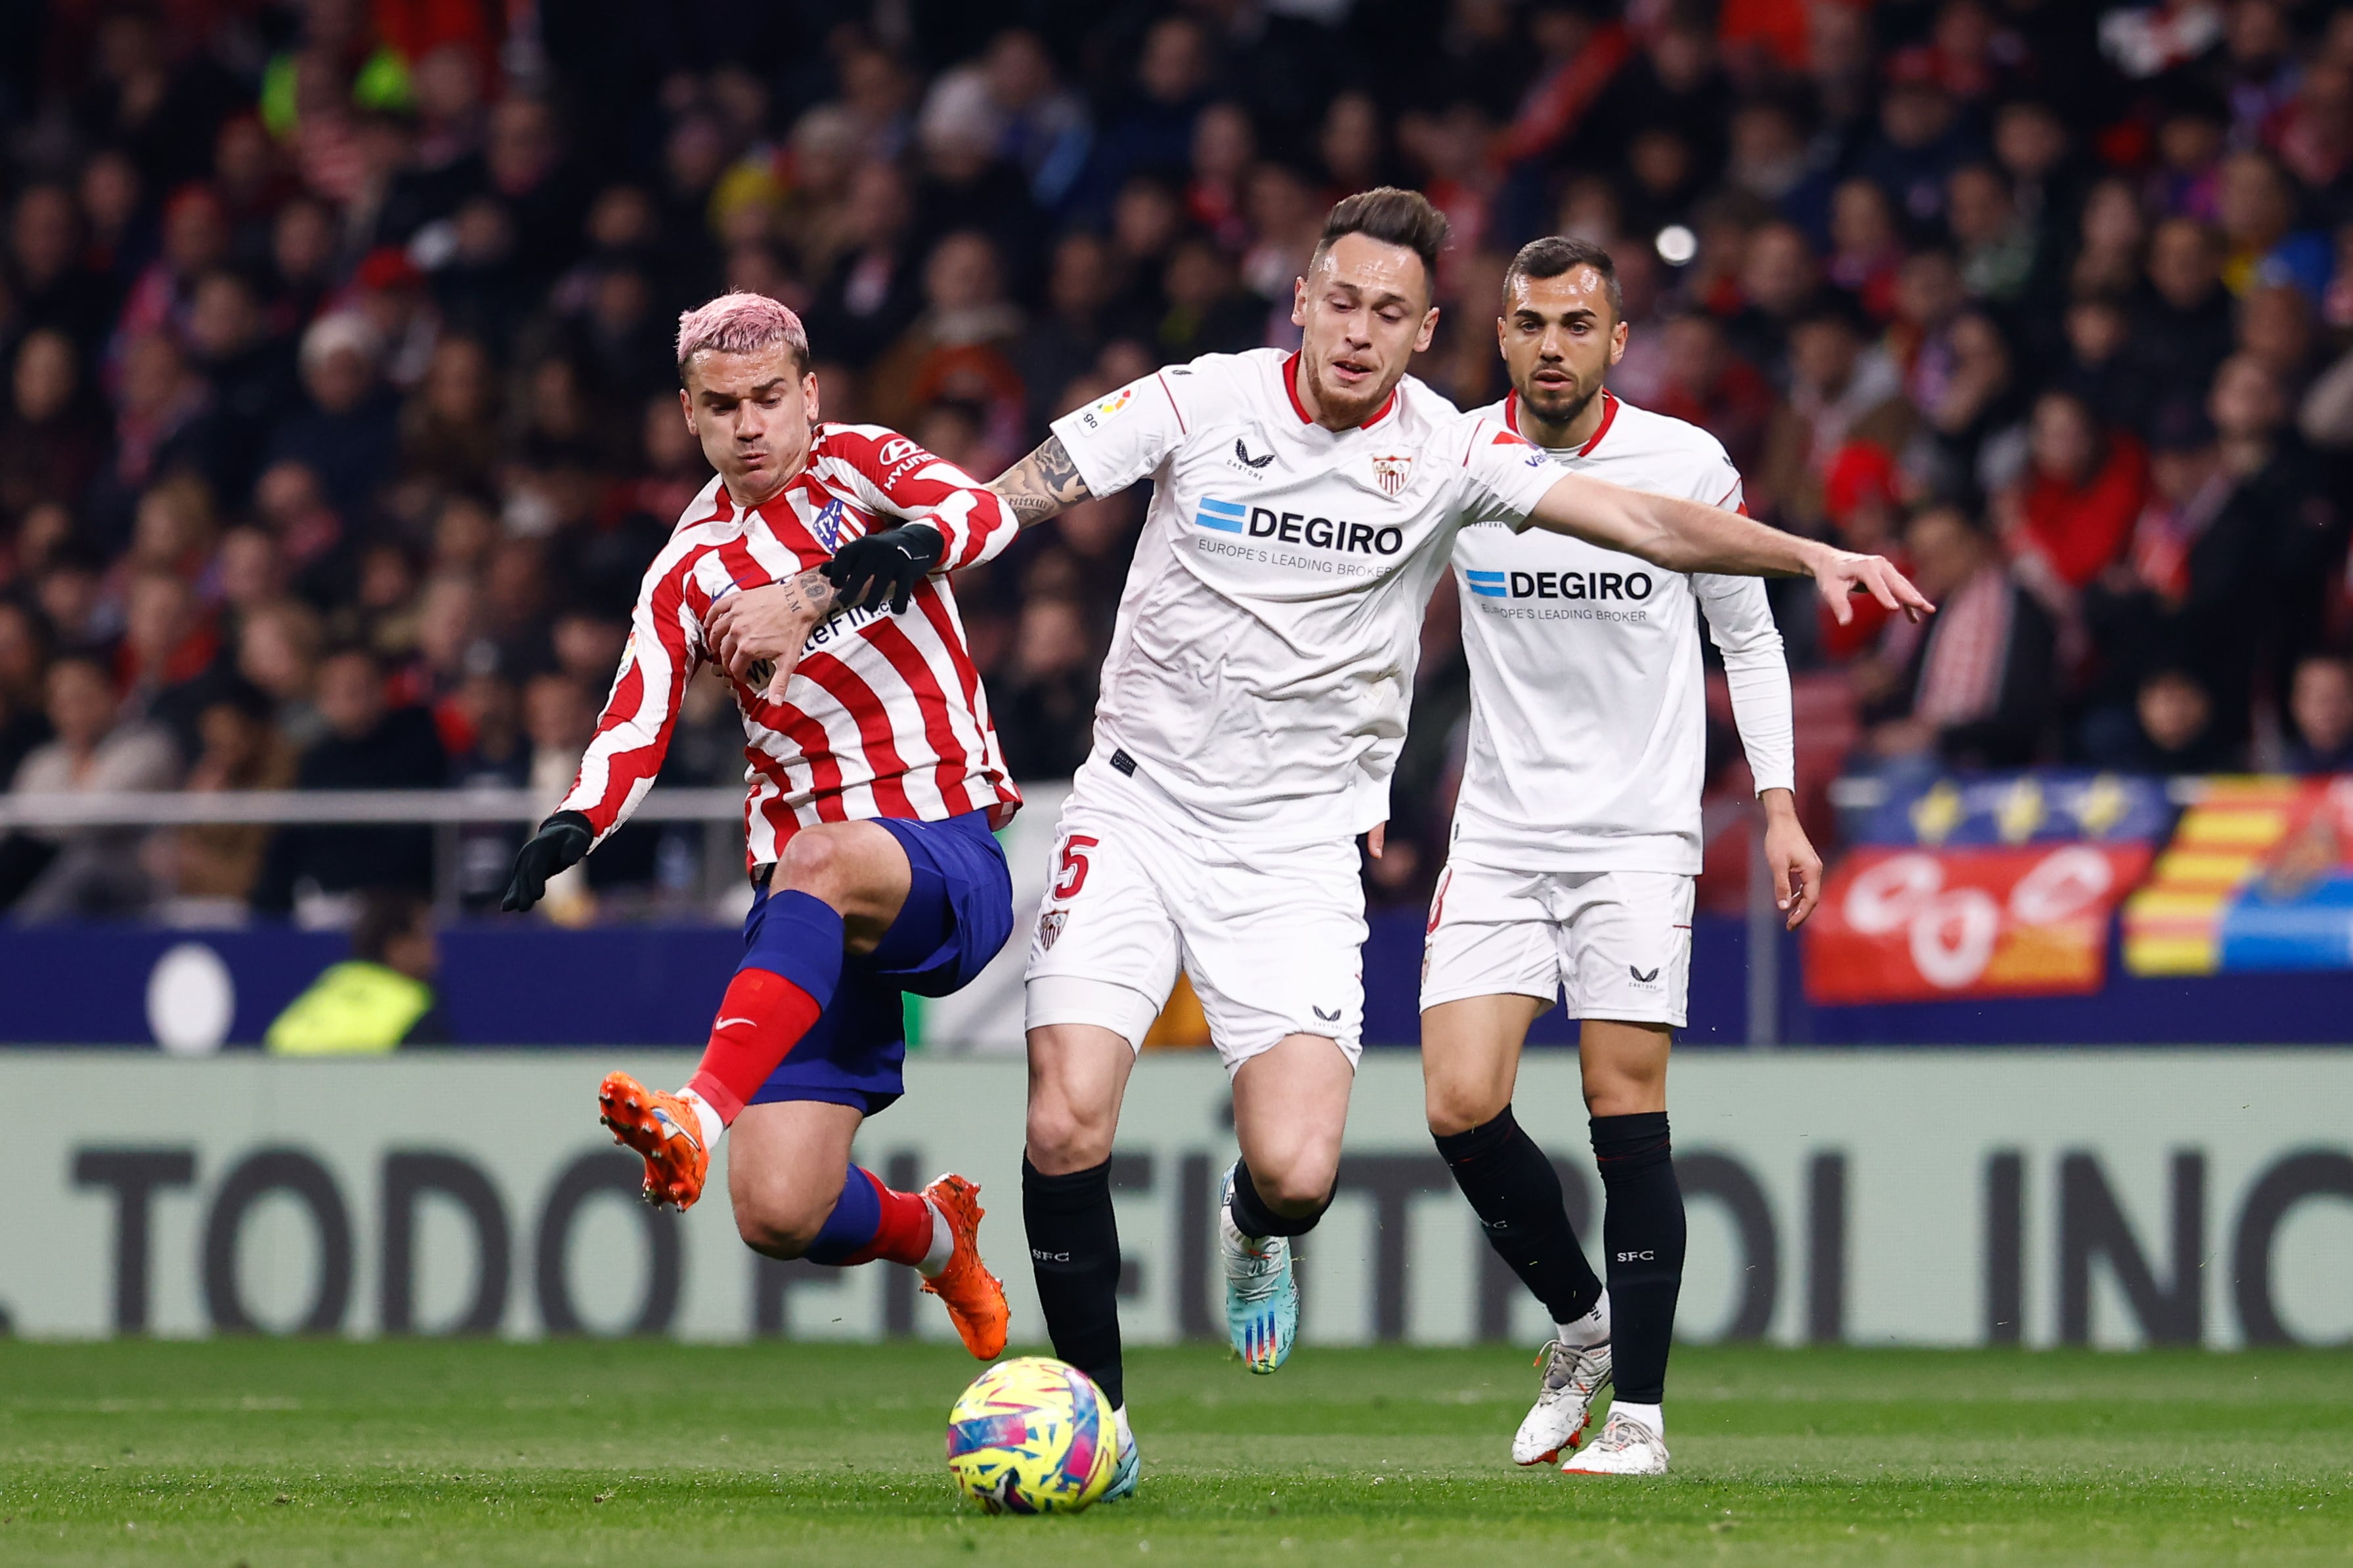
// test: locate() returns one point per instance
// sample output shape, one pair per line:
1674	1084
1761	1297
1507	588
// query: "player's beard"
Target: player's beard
1561	414
1349	409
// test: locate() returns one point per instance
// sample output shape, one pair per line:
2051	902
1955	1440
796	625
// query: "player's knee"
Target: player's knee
1065	1137
779	1224
816	863
1301	1185
1452	1107
1624	1093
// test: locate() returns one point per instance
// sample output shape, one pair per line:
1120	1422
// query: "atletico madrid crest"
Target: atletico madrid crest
1389	473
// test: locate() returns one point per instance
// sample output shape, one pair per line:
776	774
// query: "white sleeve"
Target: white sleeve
1505	474
1740	620
1125	436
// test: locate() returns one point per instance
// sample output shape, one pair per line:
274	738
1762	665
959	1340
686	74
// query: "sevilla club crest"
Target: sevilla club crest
1049	926
1389	473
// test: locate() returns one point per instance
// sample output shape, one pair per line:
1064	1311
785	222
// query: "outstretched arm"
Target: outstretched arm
1042	484
1691	536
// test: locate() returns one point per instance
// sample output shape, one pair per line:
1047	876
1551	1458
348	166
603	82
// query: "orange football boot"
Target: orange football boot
973	1297
665	1130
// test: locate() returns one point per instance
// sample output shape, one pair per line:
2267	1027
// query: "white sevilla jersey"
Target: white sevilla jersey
1263	657
1588	742
884	715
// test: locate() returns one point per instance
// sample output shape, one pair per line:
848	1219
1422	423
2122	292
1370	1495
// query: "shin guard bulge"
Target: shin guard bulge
1642	1229
1074	1253
1516	1192
785	983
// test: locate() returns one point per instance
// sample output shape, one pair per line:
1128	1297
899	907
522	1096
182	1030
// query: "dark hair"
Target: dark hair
387	914
1555	254
1393	216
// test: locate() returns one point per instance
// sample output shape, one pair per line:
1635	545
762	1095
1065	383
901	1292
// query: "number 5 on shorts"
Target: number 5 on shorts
1072	866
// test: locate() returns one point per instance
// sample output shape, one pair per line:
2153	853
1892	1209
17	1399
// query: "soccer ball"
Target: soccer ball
1032	1436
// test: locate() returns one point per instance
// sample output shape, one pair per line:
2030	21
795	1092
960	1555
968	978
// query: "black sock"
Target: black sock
1074	1253
1516	1192
1252	1217
1642	1227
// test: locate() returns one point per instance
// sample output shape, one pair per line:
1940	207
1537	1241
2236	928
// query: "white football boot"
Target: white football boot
1131	1462
1261	1293
1626	1447
1573	1376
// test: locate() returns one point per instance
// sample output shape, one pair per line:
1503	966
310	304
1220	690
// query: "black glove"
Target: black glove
885	565
560	843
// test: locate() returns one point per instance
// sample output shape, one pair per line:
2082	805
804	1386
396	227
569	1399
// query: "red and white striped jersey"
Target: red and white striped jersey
884	715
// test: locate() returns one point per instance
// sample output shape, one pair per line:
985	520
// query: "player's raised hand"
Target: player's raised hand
1797	869
1841	575
560	843
885	566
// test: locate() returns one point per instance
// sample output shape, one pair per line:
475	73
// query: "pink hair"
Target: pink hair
740	324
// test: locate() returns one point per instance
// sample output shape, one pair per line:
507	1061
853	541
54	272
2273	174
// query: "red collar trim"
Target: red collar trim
1609	417
1291	390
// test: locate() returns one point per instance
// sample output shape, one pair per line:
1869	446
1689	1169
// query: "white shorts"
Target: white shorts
1617	943
1273	938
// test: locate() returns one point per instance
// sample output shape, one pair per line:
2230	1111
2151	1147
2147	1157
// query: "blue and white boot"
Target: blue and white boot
1261	1291
1131	1463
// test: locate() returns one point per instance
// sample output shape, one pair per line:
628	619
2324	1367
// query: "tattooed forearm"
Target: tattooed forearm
811	593
1042	484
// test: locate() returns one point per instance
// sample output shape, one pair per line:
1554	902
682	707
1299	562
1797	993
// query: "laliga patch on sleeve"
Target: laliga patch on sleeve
1115	403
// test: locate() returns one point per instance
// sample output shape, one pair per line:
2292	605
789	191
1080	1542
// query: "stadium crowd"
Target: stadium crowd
340	418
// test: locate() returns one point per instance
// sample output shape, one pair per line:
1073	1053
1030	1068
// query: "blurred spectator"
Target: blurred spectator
2172	729
450	425
51	439
2320	708
84	873
958	346
44	274
378	1000
349	435
23	707
1972	686
1044	702
210	870
314	872
2183	329
2068	515
1841	391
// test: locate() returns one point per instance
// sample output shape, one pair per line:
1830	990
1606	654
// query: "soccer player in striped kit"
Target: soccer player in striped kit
1575	847
809	570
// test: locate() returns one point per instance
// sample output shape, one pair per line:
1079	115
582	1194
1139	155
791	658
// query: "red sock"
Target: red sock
760	1019
903	1235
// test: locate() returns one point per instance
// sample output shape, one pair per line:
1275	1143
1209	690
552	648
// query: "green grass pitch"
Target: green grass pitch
265	1453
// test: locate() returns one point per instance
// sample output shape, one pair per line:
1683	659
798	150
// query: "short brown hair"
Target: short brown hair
1393	216
1555	254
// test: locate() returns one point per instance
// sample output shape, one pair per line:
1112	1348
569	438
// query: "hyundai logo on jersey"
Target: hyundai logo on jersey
1225	516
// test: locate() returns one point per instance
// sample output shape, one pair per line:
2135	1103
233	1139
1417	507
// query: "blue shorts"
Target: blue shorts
958	912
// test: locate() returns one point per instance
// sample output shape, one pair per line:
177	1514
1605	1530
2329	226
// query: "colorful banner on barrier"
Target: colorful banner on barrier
2045	807
1915	925
2259	878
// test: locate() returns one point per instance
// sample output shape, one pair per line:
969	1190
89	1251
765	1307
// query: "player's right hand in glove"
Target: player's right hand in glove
885	565
560	843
